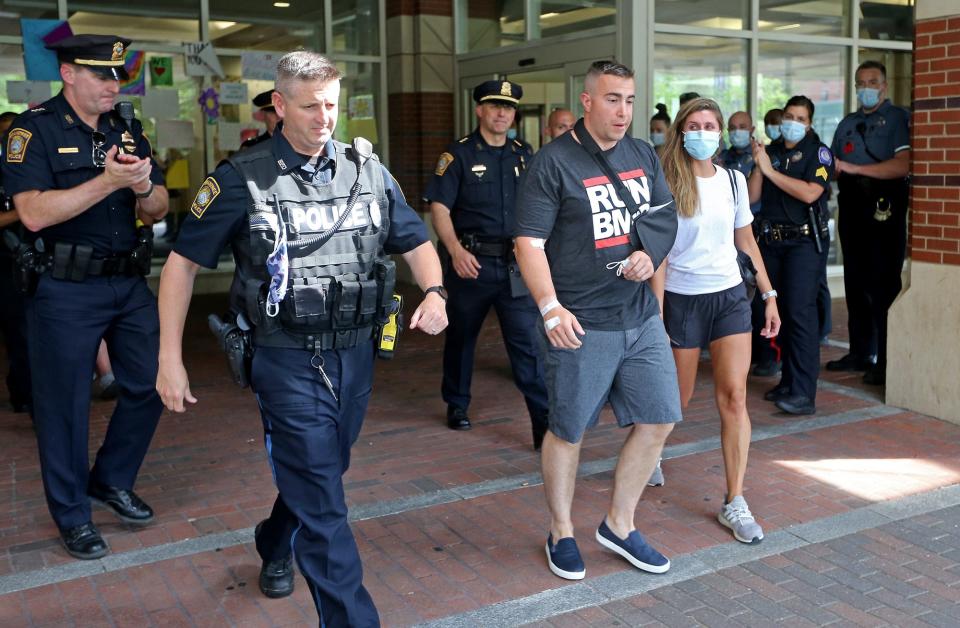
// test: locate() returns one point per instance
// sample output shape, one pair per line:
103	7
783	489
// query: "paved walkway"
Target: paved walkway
860	505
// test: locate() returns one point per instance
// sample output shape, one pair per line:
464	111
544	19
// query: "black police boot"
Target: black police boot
124	503
797	404
850	362
539	424
766	369
457	418
276	576
875	376
84	542
777	393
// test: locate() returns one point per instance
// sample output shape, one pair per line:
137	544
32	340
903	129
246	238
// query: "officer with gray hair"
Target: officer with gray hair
312	222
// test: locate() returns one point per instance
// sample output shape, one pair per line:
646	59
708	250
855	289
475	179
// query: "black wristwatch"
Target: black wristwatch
438	289
145	194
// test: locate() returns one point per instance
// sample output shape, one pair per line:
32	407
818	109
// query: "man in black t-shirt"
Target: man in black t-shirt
586	253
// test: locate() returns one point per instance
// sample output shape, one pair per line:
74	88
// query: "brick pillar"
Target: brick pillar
925	320
420	69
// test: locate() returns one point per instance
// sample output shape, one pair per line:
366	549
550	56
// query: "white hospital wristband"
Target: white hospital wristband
549	306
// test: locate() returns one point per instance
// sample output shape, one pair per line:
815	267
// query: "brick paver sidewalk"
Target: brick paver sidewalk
859	505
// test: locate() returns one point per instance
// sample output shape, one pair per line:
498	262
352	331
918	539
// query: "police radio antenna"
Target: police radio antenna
363	150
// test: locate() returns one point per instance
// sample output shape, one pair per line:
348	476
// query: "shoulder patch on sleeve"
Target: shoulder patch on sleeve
824	156
17	142
443	163
208	191
822	173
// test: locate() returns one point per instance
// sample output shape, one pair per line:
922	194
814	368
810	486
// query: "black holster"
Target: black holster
235	343
141	257
28	263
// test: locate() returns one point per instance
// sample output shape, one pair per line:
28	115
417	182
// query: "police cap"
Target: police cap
498	91
264	101
103	54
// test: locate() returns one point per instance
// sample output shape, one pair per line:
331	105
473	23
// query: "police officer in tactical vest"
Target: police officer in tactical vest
311	221
81	175
472	195
872	148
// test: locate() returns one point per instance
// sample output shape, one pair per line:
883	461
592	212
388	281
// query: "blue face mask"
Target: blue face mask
657	139
740	138
793	131
511	134
278	265
701	144
773	131
868	97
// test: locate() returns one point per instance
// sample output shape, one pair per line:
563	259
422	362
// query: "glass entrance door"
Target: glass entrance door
551	76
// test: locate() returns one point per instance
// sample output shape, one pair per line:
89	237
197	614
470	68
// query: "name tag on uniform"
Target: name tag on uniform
478	170
64	150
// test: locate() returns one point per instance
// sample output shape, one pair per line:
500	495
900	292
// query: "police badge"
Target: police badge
208	191
17	142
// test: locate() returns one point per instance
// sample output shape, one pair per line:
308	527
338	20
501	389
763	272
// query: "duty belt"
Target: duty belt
321	341
494	247
784	232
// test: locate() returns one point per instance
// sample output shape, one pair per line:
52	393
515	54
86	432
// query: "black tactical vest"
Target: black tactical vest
337	290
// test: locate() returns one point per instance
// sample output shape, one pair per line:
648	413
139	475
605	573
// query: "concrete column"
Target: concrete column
923	371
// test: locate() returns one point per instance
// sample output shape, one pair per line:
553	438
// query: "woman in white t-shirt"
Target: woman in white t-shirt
702	295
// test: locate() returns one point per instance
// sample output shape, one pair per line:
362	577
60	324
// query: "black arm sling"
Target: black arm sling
652	232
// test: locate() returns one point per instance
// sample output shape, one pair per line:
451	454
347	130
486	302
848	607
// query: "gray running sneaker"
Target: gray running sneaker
656	478
736	515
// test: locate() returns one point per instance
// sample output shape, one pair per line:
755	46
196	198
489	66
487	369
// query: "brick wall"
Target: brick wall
935	193
421	126
419	7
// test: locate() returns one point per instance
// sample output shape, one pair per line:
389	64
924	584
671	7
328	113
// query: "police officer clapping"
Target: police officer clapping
81	176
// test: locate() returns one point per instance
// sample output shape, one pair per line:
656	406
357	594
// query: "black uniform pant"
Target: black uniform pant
308	436
65	322
467	306
873	253
795	267
13	327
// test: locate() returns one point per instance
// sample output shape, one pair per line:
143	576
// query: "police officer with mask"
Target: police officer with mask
265	113
794	241
80	176
311	222
471	196
872	146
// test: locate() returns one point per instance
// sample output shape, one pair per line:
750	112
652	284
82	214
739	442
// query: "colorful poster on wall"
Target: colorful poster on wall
134	63
161	71
41	64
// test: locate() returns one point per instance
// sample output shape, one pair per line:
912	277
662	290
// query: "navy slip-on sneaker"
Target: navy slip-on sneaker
635	549
564	558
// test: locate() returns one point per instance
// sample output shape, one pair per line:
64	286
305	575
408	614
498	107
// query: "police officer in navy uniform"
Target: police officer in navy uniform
794	241
471	196
12	323
872	147
265	113
311	222
81	176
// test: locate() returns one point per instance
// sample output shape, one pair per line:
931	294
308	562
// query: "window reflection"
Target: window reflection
561	18
714	67
719	14
494	23
263	26
886	19
356	26
810	17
